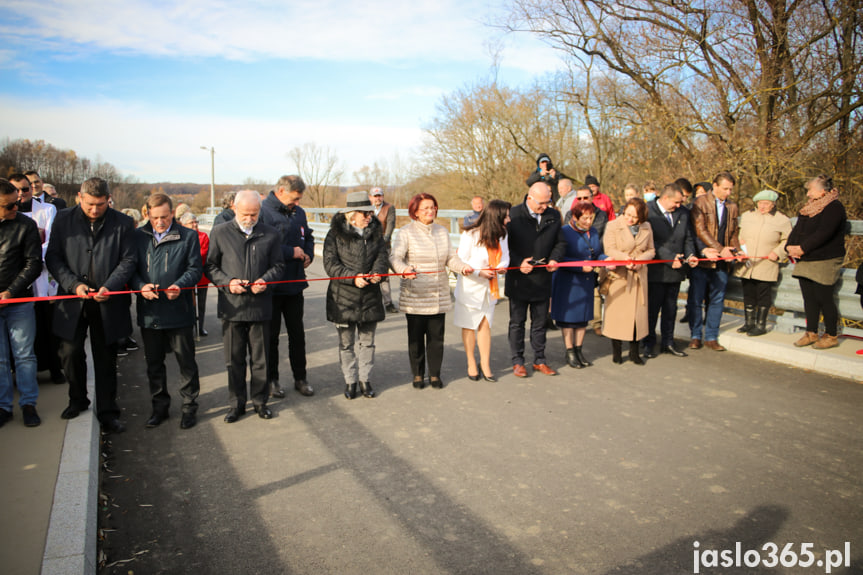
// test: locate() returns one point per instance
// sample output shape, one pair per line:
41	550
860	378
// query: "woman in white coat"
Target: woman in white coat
484	248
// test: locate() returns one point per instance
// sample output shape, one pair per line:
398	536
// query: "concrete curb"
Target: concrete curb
828	362
70	546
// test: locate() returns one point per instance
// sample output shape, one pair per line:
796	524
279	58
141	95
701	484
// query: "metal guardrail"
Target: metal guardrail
787	295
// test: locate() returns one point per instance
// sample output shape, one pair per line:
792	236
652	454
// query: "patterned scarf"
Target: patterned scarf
815	207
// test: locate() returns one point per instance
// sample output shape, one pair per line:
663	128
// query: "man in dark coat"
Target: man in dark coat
281	210
91	252
672	238
169	267
535	239
385	213
20	265
545	172
245	254
38	192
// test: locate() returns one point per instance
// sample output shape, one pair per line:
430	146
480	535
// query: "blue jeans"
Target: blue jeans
710	283
18	332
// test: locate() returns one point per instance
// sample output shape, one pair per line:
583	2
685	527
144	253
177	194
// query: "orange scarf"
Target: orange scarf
493	262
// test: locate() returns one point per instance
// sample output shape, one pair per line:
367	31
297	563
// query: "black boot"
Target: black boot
633	353
366	388
749	319
580	357
572	359
350	390
760	327
616	351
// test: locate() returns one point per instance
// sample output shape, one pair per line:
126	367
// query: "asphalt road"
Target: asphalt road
610	469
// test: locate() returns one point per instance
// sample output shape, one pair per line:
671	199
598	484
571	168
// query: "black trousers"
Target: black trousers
756	292
238	338
661	301
46	344
201	304
817	301
425	343
518	309
74	360
289	307
157	344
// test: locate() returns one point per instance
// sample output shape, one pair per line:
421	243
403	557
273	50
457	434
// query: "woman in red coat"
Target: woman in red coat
189	220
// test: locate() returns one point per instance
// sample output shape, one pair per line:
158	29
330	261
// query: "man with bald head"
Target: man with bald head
244	255
535	244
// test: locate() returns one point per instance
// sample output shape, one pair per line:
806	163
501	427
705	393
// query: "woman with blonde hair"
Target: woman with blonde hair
818	243
483	247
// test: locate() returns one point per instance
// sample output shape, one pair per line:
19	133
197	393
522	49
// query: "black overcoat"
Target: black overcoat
542	240
347	254
97	256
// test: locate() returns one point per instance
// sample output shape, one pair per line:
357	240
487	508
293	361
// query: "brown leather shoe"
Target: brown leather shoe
714	345
808	338
519	371
543	369
695	344
826	342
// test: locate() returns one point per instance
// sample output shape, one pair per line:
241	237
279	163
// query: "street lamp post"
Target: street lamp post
212	175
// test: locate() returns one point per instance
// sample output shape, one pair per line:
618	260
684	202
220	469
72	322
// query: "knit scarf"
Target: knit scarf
815	207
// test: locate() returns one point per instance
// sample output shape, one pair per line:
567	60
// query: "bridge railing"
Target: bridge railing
786	292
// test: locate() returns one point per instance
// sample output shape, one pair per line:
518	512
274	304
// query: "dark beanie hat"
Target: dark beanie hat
590	181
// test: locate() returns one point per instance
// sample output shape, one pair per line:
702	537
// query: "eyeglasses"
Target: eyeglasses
24	190
367	214
9	206
548	203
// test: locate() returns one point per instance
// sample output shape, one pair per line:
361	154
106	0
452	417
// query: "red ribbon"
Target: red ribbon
573	264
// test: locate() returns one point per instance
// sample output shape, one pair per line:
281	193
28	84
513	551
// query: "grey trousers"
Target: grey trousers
357	350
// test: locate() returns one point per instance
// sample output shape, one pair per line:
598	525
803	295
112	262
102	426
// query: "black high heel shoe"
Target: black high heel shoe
351	390
419	382
436	382
473	377
490	378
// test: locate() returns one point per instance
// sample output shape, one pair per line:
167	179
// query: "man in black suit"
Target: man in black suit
39	194
672	236
91	252
535	239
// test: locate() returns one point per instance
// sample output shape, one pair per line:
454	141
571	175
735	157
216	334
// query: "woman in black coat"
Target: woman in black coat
355	256
818	243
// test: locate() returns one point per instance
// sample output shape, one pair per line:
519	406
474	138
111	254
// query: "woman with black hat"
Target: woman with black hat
356	256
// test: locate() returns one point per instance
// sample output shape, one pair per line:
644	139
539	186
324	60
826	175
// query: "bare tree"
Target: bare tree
760	84
320	169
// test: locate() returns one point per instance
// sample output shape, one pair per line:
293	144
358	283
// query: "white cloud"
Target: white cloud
158	146
375	30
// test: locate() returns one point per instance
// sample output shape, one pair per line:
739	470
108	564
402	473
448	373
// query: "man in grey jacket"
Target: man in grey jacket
244	255
169	267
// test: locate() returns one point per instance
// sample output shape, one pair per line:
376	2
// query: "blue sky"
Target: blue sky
144	83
